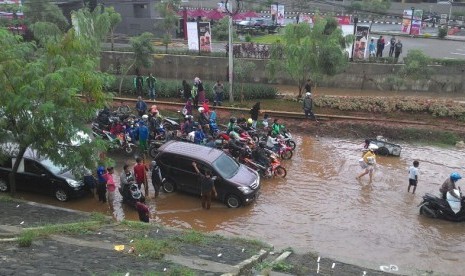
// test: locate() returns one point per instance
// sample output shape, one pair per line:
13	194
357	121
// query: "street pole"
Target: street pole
355	38
230	67
450	11
411	21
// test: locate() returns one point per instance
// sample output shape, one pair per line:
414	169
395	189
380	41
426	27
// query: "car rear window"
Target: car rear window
225	166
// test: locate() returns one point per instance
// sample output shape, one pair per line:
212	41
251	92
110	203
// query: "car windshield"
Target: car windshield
52	167
225	166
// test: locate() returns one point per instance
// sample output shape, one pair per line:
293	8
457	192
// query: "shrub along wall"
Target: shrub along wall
438	108
166	88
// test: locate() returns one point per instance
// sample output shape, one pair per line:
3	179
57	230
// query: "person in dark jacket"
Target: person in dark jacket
151	81
254	111
308	86
308	106
186	90
138	84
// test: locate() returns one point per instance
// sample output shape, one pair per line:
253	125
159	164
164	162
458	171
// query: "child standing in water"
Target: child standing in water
413	176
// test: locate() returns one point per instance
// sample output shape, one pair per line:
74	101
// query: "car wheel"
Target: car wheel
3	186
280	172
168	187
233	201
291	144
61	195
286	155
153	151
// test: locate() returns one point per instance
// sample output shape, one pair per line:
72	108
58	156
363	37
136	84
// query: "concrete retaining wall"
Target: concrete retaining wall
355	76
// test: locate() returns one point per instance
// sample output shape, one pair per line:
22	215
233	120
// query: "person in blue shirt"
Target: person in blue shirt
199	135
372	48
101	184
143	136
141	106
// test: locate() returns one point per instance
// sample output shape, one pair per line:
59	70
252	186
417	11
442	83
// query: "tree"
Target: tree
115	19
416	66
168	10
143	51
43	110
45	11
242	70
306	53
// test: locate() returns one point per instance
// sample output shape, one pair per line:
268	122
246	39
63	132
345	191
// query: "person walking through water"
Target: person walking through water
207	187
308	106
413	176
369	159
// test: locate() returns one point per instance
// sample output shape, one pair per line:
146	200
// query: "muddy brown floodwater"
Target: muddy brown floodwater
321	207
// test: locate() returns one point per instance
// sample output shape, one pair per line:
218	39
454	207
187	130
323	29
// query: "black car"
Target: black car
41	175
235	183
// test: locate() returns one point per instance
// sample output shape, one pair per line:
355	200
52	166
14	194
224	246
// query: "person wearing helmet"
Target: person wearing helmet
308	106
370	160
254	111
203	118
188	125
449	186
143	136
231	124
157	179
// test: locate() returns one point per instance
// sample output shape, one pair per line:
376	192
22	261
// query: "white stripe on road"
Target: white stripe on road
458	54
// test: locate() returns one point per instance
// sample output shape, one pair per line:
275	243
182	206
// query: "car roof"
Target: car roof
199	152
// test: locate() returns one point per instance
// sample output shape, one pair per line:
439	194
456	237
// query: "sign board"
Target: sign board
410	27
277	13
192	36
205	37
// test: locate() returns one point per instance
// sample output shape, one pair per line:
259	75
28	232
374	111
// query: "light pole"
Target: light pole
450	11
231	13
355	38
411	21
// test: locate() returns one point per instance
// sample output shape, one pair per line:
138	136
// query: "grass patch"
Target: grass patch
282	267
153	249
27	236
96	216
138	225
191	237
267	39
181	271
6	198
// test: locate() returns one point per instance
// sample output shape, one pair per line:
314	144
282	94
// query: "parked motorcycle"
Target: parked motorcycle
131	194
435	207
284	151
121	141
270	170
287	137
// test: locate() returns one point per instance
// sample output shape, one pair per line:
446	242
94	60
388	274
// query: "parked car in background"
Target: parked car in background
258	24
236	184
39	174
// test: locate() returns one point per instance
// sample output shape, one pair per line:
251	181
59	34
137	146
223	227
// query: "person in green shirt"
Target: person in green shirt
151	81
276	128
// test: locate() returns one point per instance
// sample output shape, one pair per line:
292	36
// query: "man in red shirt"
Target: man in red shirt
140	173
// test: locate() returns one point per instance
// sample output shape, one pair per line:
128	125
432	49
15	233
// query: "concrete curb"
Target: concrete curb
247	264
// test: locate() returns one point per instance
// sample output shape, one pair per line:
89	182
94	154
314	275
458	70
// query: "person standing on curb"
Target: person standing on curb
111	187
308	86
254	111
308	106
138	84
207	187
413	176
398	49
151	81
380	46
140	173
392	46
218	89
372	48
141	106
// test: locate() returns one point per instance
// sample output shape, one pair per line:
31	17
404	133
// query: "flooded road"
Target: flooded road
321	207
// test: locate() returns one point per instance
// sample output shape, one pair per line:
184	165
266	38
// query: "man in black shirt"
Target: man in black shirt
207	187
308	86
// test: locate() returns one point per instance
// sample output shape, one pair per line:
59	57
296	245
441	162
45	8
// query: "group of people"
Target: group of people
376	50
150	82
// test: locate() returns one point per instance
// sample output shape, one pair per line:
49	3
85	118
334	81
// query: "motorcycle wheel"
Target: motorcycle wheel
427	212
280	172
128	150
286	155
291	144
153	151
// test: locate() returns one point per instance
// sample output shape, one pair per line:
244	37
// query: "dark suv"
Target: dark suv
41	175
235	184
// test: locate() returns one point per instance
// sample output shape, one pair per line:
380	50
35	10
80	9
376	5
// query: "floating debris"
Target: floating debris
334	264
243	249
17	206
119	247
219	255
22	222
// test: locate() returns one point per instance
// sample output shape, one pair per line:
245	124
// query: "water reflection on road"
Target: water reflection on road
320	206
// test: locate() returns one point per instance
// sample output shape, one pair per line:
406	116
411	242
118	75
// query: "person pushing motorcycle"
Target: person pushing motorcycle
449	186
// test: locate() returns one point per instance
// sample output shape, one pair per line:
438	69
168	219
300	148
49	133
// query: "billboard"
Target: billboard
361	42
410	27
192	36
205	37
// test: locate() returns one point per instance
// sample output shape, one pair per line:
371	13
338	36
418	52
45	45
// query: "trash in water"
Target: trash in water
243	249
318	268
219	255
318	259
164	269
334	264
17	206
127	274
100	233
131	250
131	241
119	247
22	222
364	273
145	236
157	231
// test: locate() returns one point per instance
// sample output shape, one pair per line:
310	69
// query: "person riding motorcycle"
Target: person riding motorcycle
203	117
449	186
188	125
260	155
231	125
234	134
276	128
199	135
235	147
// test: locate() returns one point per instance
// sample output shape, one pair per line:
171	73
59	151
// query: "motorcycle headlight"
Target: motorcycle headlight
73	183
245	190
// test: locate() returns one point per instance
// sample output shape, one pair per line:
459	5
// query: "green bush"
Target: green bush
442	33
168	88
437	108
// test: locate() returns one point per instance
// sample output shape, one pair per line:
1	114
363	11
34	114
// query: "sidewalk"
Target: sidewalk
157	250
